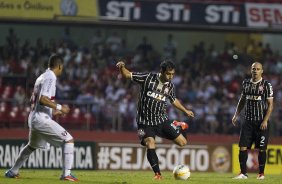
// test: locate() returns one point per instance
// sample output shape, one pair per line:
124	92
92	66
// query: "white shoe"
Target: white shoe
260	177
241	176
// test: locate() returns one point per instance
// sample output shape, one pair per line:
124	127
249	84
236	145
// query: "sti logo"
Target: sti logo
173	12
126	10
224	14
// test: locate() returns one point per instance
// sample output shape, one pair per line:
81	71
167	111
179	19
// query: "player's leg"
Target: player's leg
180	140
182	126
68	157
243	157
21	159
175	131
56	135
261	144
245	142
261	160
23	156
147	137
152	156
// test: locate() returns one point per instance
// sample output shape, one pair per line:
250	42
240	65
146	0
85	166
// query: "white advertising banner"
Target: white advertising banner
262	15
126	156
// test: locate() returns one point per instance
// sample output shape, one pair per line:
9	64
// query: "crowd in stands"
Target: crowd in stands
207	80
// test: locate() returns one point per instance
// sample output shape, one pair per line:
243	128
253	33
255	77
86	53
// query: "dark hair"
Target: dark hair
54	61
167	65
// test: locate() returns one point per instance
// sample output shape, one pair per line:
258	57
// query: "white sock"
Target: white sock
68	158
23	156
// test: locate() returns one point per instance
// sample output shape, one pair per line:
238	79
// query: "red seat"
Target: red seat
77	120
17	118
4	114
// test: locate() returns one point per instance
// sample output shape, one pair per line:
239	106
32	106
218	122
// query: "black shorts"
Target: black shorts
165	130
251	133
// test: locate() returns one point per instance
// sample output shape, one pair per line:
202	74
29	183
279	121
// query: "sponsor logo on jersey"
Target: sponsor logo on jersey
253	97
156	95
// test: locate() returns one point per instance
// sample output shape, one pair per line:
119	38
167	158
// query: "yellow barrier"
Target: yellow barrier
47	10
273	160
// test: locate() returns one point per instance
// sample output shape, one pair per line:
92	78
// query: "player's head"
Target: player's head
256	71
55	63
167	70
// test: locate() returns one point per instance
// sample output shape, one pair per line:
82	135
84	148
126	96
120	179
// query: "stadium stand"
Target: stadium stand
101	102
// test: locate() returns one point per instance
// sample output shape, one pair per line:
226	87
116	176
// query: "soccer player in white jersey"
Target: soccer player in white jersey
42	129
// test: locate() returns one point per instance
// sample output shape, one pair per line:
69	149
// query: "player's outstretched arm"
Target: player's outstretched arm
124	71
179	106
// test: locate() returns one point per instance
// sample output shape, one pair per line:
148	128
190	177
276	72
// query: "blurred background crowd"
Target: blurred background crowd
208	79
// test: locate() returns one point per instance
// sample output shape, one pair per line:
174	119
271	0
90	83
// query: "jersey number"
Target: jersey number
262	141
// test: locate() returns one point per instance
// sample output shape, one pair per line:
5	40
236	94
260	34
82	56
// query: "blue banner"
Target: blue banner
198	14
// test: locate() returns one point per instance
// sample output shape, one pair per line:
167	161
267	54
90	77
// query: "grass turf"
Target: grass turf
30	176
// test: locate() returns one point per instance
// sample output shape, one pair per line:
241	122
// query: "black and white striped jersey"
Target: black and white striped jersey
256	94
152	102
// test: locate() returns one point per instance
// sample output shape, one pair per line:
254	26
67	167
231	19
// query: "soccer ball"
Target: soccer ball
181	172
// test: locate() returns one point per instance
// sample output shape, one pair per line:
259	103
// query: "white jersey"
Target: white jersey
45	85
43	129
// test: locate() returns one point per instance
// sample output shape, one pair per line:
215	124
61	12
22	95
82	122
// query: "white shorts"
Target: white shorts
44	130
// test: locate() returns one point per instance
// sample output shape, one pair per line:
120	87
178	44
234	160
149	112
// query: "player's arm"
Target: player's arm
269	93
268	113
124	71
239	108
45	96
46	101
179	106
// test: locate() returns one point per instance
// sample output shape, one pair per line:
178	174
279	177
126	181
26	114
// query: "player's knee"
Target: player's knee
70	141
150	143
243	148
31	148
181	142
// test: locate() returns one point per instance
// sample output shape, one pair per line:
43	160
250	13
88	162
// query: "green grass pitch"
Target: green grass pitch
29	176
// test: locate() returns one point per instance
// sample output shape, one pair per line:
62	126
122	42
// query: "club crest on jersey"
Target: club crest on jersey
166	91
156	95
261	88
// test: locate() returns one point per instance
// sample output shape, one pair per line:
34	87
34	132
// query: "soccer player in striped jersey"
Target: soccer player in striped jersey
257	95
152	119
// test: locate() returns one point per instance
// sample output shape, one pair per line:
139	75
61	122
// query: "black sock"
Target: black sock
261	160
243	157
153	160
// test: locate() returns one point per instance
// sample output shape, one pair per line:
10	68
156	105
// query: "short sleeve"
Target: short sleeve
139	77
47	86
171	95
243	87
269	90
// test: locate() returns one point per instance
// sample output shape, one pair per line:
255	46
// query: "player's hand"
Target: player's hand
120	64
65	109
190	113
234	120
263	125
57	113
